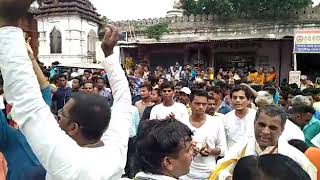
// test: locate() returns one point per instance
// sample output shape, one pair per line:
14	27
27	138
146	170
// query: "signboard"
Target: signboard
307	41
294	77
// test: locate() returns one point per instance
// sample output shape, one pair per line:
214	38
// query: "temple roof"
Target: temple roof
82	8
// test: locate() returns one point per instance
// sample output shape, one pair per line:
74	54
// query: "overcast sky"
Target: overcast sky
135	9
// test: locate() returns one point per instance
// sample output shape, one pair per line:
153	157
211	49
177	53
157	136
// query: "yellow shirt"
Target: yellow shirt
257	78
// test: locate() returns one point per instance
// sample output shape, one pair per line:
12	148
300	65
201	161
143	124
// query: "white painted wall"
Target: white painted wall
74	35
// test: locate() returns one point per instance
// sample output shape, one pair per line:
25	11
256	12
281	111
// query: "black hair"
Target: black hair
157	139
158	91
294	86
308	91
256	87
273	111
246	90
88	71
167	84
269	166
198	92
210	97
92	113
63	76
88	82
146	85
295	92
215	89
297	143
302	109
271	90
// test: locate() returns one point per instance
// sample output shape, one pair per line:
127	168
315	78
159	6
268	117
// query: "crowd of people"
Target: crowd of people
182	123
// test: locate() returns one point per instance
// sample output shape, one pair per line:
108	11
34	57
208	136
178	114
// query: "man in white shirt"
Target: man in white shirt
69	153
169	107
208	135
238	123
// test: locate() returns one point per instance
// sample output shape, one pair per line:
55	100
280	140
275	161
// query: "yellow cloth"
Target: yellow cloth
211	77
268	150
257	78
226	164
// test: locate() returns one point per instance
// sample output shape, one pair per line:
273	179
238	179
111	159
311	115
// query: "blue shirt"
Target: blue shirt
135	122
225	108
311	130
22	162
62	96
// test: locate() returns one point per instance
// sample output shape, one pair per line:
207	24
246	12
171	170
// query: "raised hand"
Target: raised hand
29	49
110	40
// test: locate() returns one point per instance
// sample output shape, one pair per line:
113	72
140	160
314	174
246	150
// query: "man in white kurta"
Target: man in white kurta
239	122
239	129
268	128
209	133
60	155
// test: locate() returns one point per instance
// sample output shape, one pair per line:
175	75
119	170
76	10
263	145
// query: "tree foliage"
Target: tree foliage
156	31
250	8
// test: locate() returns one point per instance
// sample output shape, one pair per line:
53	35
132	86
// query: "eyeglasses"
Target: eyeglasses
62	113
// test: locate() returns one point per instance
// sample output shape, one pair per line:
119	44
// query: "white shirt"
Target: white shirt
2	106
148	176
292	131
316	141
162	112
238	130
212	133
60	155
316	106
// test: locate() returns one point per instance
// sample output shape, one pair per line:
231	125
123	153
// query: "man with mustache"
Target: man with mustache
269	124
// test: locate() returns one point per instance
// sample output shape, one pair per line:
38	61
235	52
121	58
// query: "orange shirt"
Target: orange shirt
271	77
313	155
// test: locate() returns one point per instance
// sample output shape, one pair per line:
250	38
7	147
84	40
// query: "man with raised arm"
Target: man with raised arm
89	144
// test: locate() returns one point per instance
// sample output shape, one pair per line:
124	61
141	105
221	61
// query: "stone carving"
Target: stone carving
177	4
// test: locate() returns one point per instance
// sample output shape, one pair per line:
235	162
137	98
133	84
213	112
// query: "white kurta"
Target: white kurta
212	133
283	148
60	155
239	130
161	112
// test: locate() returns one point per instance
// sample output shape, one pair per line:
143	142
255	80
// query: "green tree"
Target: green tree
105	20
156	31
217	7
250	8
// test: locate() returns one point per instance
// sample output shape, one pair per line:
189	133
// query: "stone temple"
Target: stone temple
68	31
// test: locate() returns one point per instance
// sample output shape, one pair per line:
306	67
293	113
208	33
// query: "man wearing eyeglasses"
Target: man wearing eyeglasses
90	145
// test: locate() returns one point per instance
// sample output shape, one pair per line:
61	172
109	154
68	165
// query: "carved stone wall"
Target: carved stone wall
208	27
